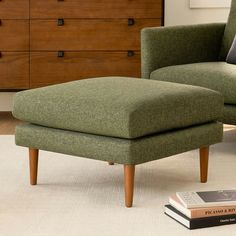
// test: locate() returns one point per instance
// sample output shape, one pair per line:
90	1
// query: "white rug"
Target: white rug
77	196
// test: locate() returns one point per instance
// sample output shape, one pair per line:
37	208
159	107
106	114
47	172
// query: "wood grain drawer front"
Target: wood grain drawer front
14	70
96	8
47	68
14	9
88	34
14	35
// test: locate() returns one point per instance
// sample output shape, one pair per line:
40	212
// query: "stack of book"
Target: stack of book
203	209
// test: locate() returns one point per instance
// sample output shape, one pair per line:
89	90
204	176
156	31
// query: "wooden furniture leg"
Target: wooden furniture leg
129	171
33	165
204	157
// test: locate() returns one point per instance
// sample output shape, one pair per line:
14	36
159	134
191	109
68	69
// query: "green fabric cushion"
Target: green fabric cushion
218	76
118	107
230	32
123	151
229	114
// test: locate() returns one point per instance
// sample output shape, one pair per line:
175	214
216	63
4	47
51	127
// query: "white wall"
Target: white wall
177	12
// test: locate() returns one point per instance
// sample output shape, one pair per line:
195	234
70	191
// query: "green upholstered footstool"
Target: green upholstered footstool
120	120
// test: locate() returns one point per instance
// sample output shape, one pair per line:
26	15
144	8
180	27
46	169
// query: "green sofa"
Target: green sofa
194	55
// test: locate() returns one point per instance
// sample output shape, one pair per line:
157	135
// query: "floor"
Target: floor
82	197
73	192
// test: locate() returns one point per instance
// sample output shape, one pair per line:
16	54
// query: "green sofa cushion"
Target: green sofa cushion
229	114
219	76
122	151
118	106
230	32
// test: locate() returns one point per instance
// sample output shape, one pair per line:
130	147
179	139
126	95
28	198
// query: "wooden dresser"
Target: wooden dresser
45	42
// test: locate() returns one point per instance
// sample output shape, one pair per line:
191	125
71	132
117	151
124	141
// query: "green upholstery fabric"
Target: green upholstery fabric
122	151
218	76
166	46
118	107
230	32
229	115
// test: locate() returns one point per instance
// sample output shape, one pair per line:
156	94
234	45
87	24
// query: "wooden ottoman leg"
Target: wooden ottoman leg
204	157
33	164
111	163
129	171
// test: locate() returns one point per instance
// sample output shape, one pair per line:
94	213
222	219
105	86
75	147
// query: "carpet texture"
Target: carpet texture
77	196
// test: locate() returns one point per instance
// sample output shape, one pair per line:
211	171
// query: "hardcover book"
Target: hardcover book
199	222
201	212
208	198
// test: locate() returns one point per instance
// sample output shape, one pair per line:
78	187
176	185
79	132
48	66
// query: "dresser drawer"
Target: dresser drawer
47	68
96	9
14	70
14	9
14	35
88	34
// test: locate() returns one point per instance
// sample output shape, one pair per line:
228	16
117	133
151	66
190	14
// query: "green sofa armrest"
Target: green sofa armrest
175	45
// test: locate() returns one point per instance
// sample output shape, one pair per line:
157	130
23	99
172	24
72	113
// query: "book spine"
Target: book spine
212	221
209	212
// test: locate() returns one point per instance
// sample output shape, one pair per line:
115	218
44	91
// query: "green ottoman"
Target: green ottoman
120	120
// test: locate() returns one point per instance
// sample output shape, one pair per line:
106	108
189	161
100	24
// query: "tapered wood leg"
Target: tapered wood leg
129	171
204	157
33	165
111	163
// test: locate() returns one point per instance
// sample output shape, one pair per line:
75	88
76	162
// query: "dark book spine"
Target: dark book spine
212	221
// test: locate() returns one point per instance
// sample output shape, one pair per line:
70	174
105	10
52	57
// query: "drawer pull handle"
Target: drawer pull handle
0	52
60	22
60	54
131	21
0	20
130	53
57	0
